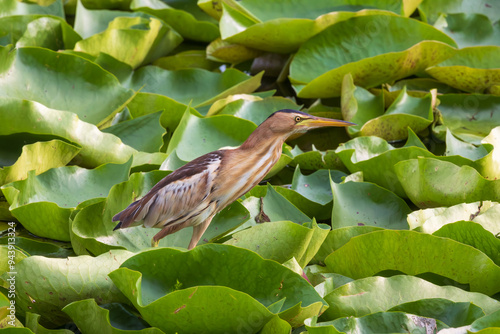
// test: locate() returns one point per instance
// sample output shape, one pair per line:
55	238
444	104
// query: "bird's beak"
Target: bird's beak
319	122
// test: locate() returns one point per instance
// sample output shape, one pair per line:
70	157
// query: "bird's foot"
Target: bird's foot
154	243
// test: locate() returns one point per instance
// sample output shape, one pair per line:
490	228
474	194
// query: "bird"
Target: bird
192	194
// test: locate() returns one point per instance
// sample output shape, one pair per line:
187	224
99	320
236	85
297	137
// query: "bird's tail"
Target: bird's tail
127	217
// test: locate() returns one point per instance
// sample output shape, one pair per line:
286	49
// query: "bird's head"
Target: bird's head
288	122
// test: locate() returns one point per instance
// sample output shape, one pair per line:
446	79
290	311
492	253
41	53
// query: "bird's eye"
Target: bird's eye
297	119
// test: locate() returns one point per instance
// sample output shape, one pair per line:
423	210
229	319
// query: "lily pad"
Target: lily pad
379	322
316	159
50	32
47	248
39	156
281	241
43	203
364	203
431	220
143	133
470	29
182	21
92	228
44	285
415	253
32	320
196	136
61	81
379	294
430	182
397	47
473	69
14	7
453	314
132	40
172	297
470	117
181	84
431	10
185	60
107	318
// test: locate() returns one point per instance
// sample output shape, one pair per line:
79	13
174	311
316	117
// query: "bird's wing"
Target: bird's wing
176	196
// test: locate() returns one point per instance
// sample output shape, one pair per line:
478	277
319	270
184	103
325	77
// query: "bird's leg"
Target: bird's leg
198	231
168	229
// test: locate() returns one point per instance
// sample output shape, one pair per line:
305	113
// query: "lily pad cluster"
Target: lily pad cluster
387	226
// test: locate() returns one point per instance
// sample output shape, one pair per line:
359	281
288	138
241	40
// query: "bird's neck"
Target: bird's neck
262	139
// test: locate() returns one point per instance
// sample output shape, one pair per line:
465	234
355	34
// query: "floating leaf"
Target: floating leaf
225	52
182	21
143	133
180	85
43	203
171	296
431	220
44	285
185	60
473	69
379	294
39	156
430	182
453	314
469	29
415	253
380	322
133	40
397	47
107	318
32	320
61	81
470	117
281	241
50	32
47	248
431	10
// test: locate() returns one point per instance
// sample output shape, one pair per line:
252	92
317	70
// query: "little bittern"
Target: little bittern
194	193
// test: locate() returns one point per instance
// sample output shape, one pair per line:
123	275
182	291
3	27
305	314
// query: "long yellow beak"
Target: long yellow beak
319	122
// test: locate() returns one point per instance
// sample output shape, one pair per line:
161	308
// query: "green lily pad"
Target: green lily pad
379	322
453	314
431	220
225	52
61	81
43	203
470	117
473	69
376	158
143	133
398	47
186	60
379	294
490	320
430	182
364	203
47	248
273	205
172	297
315	160
50	32
107	318
39	156
415	253
36	122
32	320
469	29
181	85
14	7
281	241
196	136
8	267
44	285
431	10
281	28
92	228
473	234
182	21
133	40
338	237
